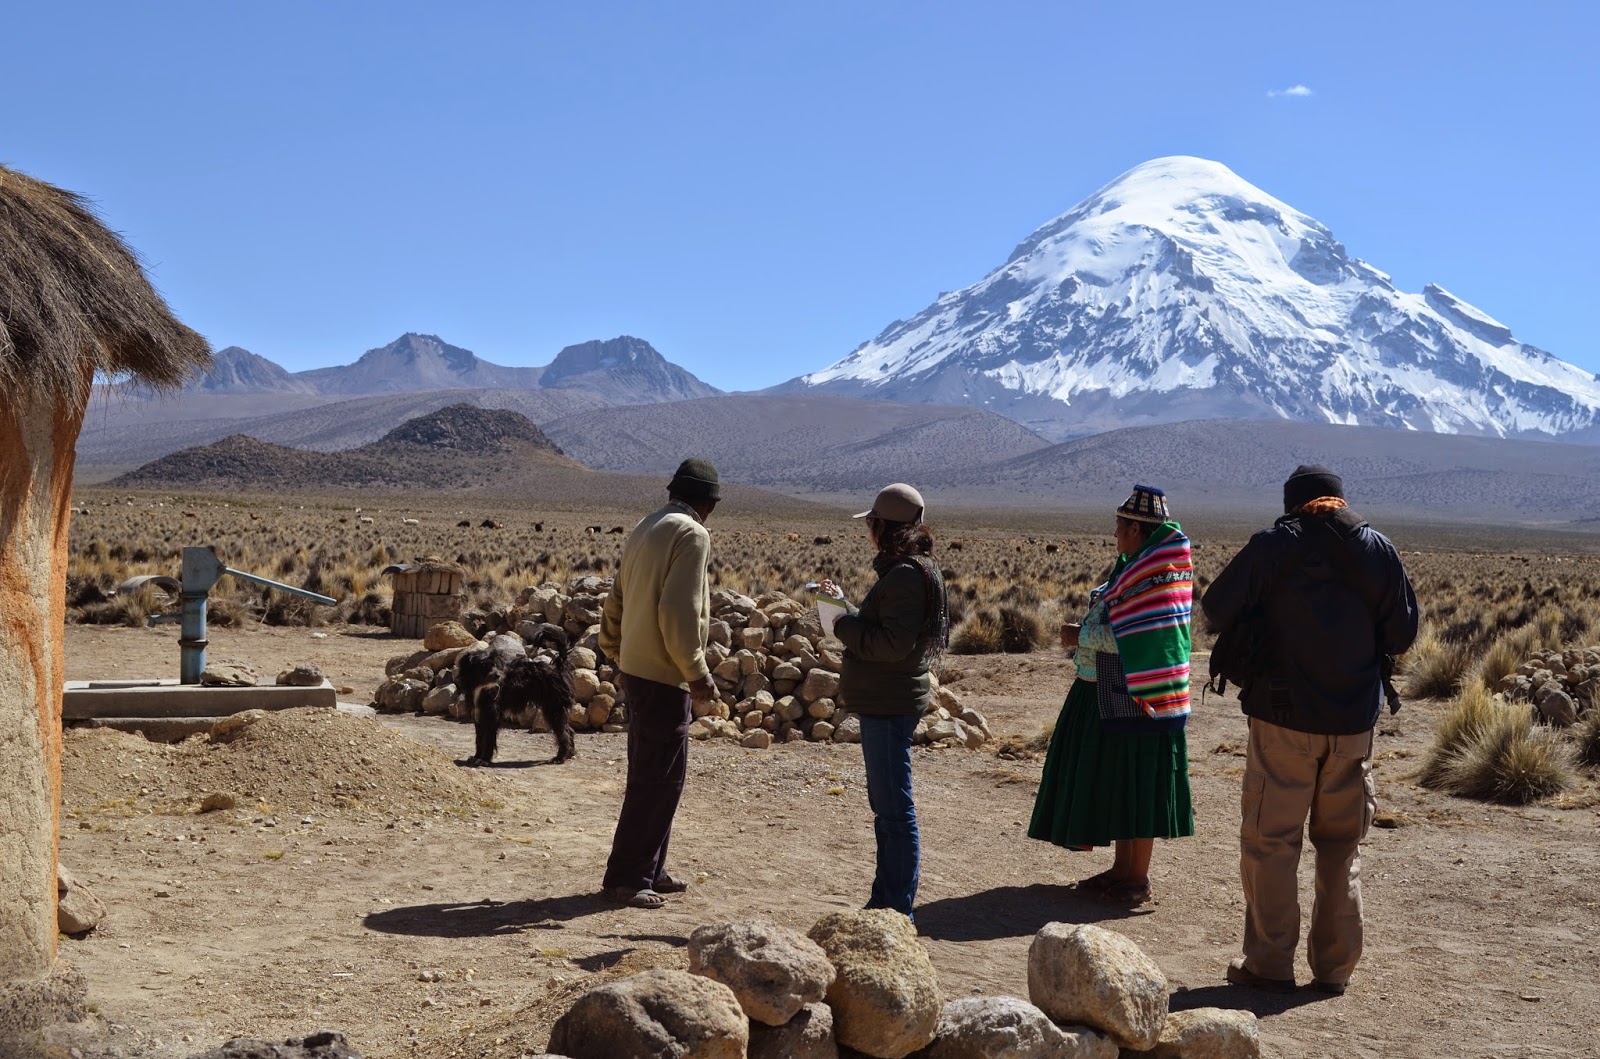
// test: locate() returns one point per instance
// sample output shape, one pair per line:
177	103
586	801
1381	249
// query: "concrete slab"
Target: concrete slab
86	699
155	729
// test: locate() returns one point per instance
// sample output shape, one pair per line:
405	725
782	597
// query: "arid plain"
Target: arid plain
365	884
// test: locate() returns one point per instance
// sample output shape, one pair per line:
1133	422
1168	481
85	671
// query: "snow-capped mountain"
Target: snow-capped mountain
1180	291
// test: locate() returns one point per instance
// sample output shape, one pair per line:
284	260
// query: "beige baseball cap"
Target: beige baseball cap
896	503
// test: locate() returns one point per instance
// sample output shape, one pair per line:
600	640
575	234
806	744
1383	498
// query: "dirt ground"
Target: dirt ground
365	884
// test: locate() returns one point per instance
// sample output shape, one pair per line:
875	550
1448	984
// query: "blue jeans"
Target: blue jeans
886	750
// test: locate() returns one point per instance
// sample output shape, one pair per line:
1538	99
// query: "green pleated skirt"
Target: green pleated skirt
1099	787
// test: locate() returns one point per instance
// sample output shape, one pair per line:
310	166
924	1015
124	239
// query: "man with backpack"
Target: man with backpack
1310	614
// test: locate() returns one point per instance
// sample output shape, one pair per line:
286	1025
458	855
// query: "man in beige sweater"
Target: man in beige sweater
654	626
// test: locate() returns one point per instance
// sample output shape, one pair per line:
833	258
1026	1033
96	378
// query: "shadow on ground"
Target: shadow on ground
1013	912
484	919
1261	1002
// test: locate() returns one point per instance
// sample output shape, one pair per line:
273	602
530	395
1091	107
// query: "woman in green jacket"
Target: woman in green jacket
890	643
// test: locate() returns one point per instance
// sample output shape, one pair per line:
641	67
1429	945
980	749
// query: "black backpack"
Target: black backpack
1246	651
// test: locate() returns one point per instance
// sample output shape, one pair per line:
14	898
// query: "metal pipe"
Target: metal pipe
192	639
280	586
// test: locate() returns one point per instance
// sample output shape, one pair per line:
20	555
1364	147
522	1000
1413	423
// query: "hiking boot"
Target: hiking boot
1239	974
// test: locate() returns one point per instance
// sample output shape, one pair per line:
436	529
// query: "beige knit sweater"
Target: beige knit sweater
658	615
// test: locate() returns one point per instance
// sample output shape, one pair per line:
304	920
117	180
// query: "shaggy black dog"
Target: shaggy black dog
506	678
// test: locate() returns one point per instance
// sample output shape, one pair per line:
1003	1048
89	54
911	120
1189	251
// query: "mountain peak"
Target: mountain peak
237	370
625	369
622	352
1180	290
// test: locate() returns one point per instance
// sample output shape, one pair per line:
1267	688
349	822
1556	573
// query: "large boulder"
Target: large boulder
885	995
401	695
774	971
661	1014
1087	974
1003	1027
448	635
809	1035
78	910
1209	1033
819	684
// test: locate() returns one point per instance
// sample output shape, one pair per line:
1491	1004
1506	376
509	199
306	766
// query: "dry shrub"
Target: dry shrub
1469	713
1587	738
978	635
1008	630
132	609
1022	630
1504	656
1498	754
1435	669
228	613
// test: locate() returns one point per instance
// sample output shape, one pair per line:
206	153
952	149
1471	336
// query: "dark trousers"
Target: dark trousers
658	761
886	751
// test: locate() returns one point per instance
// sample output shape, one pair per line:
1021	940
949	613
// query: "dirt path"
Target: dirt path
425	921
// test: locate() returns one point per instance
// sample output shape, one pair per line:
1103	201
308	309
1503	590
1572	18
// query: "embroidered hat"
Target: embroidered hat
1147	504
895	503
696	480
1309	482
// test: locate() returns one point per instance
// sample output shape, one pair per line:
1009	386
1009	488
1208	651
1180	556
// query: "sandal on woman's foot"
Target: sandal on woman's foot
671	884
627	895
1098	883
1127	893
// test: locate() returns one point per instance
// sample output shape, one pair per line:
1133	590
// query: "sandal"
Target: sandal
1126	893
1096	884
671	884
627	895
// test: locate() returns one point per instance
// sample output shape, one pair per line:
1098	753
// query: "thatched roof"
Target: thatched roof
73	295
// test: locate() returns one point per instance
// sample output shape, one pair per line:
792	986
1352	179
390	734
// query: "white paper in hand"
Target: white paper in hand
829	610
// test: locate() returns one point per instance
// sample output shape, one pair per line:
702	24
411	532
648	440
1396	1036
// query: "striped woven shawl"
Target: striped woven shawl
1150	598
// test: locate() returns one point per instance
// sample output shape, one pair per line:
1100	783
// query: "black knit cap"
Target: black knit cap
1308	482
696	480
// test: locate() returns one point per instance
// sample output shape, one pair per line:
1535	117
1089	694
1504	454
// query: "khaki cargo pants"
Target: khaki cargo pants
1288	777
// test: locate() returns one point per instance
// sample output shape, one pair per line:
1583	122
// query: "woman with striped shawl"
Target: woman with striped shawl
1118	767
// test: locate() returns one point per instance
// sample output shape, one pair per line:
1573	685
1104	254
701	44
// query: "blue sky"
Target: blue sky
758	188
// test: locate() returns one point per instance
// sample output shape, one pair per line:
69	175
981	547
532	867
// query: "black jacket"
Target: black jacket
1328	643
889	642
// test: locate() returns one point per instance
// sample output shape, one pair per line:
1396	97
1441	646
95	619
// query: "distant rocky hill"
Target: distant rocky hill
417	362
122	433
804	441
624	370
458	447
1239	466
235	370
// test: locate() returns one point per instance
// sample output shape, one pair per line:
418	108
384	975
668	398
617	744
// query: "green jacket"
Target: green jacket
888	643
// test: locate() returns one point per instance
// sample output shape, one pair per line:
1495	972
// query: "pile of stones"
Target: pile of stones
861	983
777	674
1562	685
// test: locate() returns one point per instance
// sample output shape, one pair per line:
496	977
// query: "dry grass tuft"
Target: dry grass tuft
1587	736
1471	712
1435	669
1496	753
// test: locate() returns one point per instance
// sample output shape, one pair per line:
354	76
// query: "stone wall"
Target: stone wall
777	674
